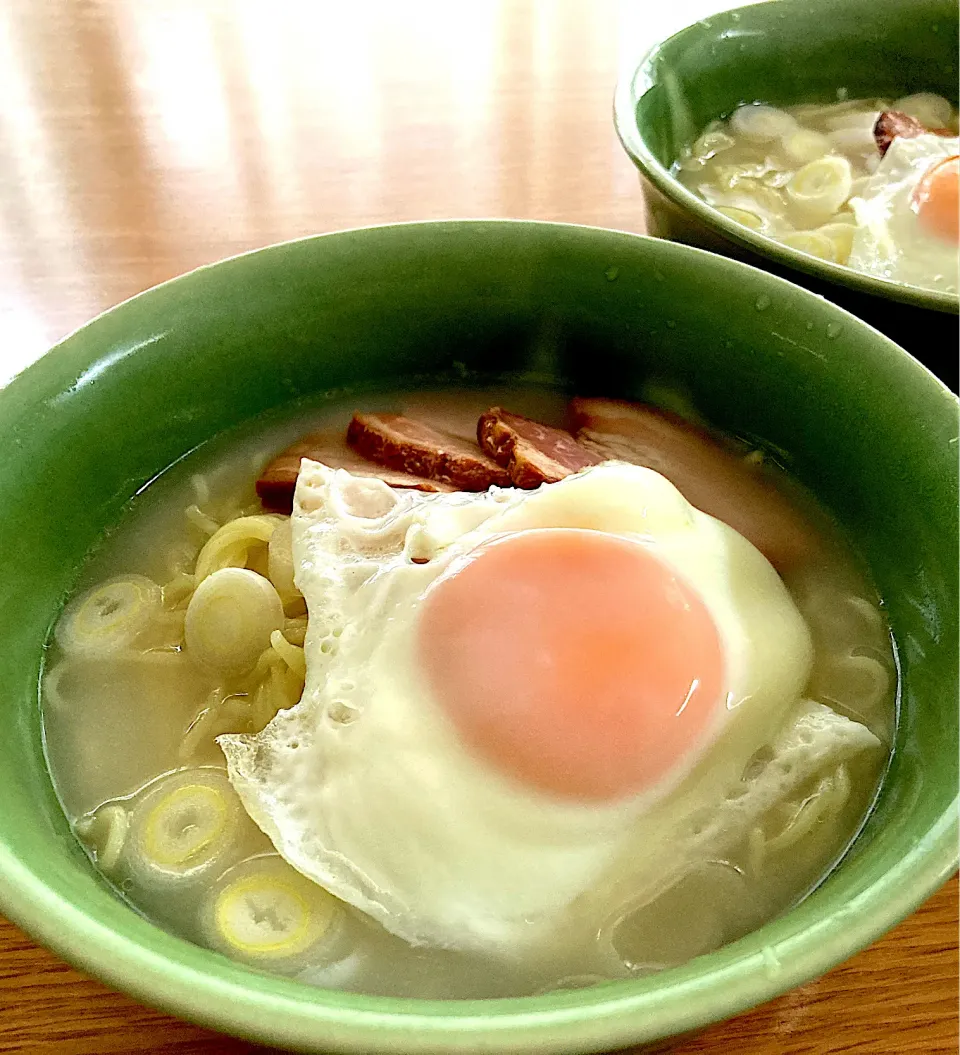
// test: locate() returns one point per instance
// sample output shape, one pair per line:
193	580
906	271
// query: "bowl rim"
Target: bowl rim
202	987
638	79
608	1015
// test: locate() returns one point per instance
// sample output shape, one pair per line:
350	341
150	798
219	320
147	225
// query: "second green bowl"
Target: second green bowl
786	52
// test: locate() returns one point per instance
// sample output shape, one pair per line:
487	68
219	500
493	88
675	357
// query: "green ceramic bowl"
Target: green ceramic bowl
864	425
788	52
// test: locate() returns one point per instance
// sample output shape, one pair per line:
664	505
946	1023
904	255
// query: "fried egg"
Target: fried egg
505	691
908	225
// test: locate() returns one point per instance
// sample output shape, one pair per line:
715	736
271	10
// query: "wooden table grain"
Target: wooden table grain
142	138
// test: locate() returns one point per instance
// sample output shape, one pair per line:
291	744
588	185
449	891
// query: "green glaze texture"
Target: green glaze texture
863	424
787	52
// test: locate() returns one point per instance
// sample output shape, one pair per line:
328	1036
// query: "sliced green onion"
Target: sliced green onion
803	145
105	833
933	111
822	186
185	826
741	216
812	242
229	545
264	911
230	619
761	124
110	617
841	234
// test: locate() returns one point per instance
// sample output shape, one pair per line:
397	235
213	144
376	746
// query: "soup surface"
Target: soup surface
868	183
476	849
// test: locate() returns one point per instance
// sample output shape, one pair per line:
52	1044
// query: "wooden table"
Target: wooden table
141	138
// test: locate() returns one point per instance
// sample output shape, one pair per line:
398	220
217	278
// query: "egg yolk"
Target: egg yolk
937	199
572	660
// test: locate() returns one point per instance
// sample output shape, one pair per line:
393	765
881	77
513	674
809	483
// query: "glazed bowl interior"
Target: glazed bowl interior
862	424
784	54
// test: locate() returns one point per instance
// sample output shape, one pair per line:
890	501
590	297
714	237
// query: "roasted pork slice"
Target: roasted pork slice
405	445
893	123
712	475
279	478
531	453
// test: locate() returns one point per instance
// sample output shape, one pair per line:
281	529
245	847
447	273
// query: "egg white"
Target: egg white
889	241
365	787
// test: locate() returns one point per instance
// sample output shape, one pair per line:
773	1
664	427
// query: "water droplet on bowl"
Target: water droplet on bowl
762	302
612	273
809	325
834	330
671	324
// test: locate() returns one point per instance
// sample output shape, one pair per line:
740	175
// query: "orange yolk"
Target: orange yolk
572	660
937	199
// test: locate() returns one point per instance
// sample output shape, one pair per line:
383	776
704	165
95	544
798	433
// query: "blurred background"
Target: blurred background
142	138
